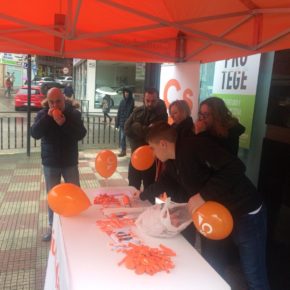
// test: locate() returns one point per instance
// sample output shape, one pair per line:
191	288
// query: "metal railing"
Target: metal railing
100	132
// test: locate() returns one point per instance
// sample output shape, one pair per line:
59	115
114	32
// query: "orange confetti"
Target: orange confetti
143	259
110	224
106	200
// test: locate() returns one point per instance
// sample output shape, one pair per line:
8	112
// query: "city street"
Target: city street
13	128
7	106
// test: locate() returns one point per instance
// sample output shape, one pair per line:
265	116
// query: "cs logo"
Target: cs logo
187	93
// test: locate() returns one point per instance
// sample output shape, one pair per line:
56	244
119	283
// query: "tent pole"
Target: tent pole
28	102
152	75
180	47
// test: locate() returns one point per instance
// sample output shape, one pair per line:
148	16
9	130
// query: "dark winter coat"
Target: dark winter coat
59	144
203	167
68	91
185	128
137	124
229	143
125	109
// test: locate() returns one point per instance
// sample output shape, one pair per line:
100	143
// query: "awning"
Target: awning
145	30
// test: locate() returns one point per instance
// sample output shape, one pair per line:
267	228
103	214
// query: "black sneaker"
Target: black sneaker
122	154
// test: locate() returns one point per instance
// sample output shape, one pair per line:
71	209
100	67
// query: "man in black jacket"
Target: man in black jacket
59	134
125	109
206	172
136	127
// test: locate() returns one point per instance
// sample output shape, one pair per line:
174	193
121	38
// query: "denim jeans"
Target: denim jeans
53	176
250	234
122	139
249	238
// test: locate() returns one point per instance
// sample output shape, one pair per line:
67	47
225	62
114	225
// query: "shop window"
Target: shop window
113	77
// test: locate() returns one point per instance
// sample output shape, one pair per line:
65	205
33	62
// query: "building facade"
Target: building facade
93	79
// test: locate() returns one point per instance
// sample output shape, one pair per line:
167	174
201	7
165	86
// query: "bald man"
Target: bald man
60	127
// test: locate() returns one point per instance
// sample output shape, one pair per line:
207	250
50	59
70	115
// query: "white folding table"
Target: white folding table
81	258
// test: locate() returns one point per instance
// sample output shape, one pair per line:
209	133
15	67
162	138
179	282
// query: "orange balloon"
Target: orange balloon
143	158
56	113
106	163
68	199
213	220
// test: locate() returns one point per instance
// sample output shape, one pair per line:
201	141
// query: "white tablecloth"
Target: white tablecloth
83	260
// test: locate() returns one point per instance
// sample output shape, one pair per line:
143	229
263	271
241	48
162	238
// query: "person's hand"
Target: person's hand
194	203
199	126
59	120
49	113
58	116
136	194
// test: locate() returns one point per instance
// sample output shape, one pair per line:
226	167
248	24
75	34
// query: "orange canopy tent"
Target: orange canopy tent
145	30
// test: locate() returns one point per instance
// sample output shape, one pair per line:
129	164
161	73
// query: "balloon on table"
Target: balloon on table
213	220
143	158
68	199
106	163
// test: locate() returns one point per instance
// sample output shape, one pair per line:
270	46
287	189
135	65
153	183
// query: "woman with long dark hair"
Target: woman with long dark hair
217	122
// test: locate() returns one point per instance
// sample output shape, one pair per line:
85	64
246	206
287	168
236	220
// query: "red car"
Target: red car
20	99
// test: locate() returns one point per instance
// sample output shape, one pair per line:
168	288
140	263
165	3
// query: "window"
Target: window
114	76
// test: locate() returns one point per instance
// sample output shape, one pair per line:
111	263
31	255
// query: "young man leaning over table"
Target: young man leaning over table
207	172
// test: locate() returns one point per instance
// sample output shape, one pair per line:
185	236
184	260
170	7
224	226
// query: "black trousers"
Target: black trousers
136	177
189	234
219	254
107	115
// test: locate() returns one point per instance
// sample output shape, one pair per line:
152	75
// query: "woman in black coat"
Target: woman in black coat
180	113
216	122
182	121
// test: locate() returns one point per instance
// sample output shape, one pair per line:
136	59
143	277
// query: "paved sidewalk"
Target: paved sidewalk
23	215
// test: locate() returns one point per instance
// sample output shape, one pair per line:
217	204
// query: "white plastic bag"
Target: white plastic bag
164	220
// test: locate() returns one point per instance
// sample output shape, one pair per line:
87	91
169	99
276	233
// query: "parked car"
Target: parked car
64	80
47	83
20	99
